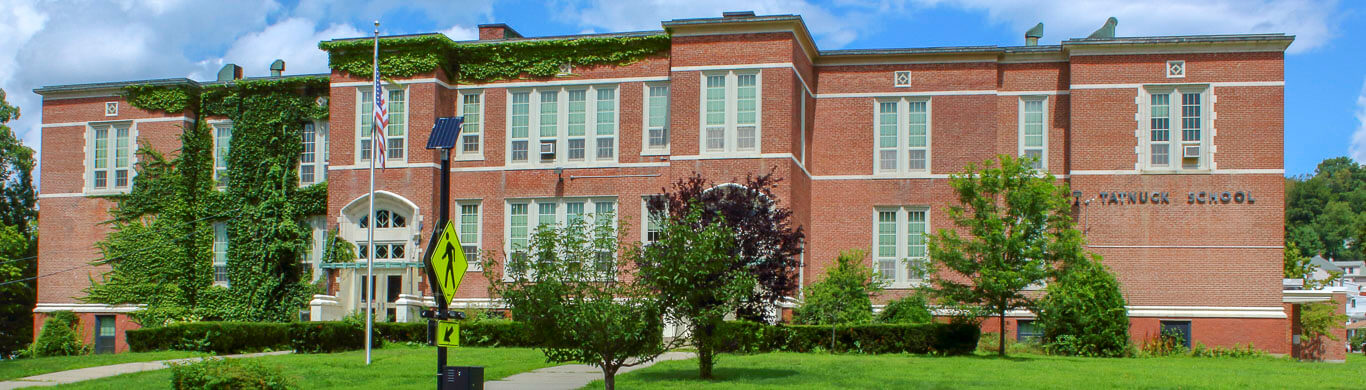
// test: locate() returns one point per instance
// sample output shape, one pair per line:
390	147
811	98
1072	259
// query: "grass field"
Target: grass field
11	369
815	371
394	367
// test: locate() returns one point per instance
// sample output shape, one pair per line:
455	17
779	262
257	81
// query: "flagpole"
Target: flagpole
370	257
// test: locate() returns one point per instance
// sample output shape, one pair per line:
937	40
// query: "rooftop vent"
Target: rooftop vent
230	72
277	68
1032	36
1107	31
737	14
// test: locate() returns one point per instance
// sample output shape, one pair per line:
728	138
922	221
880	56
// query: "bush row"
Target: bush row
944	339
312	337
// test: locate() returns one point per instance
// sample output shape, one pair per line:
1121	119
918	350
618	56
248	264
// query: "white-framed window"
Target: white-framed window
1175	134
903	136
384	250
471	135
385	219
313	156
656	119
222	145
556	126
652	220
395	136
110	157
524	216
899	244
730	113
1033	139
1176	69
467	225
220	253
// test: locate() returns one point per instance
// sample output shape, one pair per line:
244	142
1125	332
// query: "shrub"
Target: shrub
475	333
912	309
1083	313
218	337
945	339
228	374
843	297
1167	343
59	337
1237	351
329	336
1358	342
989	343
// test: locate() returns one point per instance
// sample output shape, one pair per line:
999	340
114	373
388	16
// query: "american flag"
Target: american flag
381	122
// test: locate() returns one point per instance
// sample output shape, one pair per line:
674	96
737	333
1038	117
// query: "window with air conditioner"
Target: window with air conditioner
560	126
1176	132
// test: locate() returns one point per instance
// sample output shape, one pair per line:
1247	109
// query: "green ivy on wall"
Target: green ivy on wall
403	57
160	250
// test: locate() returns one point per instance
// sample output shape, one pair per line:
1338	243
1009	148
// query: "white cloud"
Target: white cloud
1313	22
833	27
294	40
1358	148
462	33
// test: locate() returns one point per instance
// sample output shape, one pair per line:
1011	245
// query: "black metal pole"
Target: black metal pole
442	220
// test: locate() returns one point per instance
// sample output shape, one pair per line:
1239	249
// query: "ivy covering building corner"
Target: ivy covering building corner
160	249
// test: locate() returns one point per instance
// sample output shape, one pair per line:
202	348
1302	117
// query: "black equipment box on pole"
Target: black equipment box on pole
462	378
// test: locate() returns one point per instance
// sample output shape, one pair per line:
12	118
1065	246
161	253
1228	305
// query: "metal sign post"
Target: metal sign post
445	264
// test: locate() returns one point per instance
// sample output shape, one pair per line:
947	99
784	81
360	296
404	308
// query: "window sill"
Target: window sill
903	175
478	157
119	191
655	152
905	285
1152	171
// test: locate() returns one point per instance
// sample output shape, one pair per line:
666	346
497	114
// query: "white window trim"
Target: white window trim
903	126
561	217
590	123
1207	131
460	155
321	149
731	127
88	158
645	149
902	279
1020	136
407	128
476	264
213	128
227	246
645	217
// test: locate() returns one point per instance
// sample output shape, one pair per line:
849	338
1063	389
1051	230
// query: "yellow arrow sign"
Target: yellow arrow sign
448	262
447	334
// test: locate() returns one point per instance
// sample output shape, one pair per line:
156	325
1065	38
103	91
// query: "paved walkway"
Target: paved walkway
88	373
569	377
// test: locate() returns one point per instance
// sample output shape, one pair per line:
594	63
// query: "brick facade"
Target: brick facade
1214	264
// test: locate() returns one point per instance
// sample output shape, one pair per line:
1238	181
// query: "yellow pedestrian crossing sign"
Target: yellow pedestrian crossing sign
448	263
447	334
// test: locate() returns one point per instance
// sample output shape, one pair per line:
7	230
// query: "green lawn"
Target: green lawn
817	371
11	369
394	367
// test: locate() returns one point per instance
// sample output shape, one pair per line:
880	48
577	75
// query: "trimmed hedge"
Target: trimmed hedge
314	337
481	333
943	339
215	337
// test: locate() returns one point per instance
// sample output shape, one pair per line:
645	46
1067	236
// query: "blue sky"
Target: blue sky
47	43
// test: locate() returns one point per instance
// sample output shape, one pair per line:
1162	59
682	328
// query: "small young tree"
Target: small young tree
565	284
1019	227
692	271
768	241
1083	313
911	309
844	296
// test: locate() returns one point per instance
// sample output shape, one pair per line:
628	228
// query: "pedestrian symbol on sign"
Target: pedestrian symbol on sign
447	259
447	334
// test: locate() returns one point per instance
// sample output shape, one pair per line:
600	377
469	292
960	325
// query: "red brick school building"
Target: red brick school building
1173	147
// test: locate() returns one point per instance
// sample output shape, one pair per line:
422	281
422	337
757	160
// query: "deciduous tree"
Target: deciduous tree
19	238
1019	228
